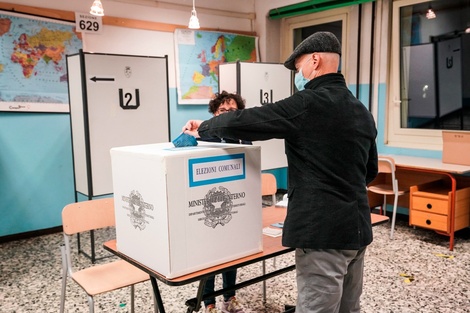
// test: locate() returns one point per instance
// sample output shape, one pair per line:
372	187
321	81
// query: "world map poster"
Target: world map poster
198	55
33	70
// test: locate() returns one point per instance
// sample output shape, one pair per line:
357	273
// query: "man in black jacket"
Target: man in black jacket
330	146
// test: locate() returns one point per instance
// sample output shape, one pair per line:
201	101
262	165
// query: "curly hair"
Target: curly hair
222	97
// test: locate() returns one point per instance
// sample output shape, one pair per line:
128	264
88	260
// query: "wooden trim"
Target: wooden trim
107	20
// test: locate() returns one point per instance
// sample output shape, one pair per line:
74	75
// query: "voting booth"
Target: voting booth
259	84
115	100
180	210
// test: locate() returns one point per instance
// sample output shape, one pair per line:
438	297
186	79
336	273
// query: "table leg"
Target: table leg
158	296
452	212
264	282
194	305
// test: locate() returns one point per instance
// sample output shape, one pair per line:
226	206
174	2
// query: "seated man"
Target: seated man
224	102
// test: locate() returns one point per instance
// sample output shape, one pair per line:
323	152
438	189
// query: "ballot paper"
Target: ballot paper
184	140
283	202
272	232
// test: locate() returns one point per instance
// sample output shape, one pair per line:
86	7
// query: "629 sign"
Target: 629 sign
129	100
87	23
92	26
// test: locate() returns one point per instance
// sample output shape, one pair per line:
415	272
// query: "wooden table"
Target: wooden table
272	247
408	170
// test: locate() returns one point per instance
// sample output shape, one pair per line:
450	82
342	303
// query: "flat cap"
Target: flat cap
317	42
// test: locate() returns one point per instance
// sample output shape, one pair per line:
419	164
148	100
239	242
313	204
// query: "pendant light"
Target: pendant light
97	8
430	14
194	21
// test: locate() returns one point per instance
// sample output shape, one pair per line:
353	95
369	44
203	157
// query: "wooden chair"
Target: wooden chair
269	186
388	187
94	280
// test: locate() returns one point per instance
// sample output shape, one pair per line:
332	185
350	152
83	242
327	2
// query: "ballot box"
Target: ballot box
180	210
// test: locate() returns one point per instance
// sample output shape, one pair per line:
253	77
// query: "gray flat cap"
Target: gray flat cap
317	42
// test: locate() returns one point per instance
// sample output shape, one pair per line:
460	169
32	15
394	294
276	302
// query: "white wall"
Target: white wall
212	14
269	30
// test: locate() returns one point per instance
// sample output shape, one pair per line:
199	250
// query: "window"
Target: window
430	71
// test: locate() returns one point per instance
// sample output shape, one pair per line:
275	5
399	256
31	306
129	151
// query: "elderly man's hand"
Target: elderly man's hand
191	128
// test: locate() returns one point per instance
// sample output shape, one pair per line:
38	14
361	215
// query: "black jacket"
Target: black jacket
332	156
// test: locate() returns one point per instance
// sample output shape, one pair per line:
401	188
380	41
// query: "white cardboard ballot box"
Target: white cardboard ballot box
180	210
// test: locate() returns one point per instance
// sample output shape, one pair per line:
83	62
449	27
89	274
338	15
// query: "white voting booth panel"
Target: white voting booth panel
259	84
180	210
115	100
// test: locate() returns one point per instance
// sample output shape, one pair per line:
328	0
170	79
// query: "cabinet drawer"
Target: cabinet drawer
430	205
428	220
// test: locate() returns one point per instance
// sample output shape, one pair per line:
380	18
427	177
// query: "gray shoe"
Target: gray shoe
232	306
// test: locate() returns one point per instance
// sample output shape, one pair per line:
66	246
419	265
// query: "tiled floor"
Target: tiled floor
30	277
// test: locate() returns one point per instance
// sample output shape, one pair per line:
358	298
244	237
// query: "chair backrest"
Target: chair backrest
88	215
386	165
268	184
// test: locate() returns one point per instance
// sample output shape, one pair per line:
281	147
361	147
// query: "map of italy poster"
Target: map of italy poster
33	71
198	55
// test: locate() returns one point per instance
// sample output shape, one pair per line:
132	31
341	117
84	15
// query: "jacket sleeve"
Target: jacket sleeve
372	164
280	120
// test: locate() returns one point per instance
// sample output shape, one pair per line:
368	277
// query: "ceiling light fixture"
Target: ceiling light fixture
193	20
97	8
430	14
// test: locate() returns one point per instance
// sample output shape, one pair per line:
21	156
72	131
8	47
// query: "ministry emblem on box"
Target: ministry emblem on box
179	210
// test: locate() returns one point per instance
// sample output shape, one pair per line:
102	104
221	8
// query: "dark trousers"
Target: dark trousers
228	280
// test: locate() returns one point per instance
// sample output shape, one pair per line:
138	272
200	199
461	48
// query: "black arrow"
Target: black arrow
95	79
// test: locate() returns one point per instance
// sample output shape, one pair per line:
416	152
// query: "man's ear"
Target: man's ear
316	59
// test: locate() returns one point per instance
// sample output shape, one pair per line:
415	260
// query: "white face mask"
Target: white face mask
300	81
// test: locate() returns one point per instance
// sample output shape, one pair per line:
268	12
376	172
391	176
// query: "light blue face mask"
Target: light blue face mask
300	81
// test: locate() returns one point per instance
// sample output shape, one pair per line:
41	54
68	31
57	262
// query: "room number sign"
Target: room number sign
87	23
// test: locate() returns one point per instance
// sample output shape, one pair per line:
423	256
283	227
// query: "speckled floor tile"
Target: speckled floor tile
414	272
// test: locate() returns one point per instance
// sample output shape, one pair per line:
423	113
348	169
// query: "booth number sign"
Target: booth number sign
87	23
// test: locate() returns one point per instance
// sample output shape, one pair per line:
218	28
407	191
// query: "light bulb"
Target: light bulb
97	8
430	14
194	21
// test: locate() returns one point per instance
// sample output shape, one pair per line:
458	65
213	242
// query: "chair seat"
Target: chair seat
110	276
384	189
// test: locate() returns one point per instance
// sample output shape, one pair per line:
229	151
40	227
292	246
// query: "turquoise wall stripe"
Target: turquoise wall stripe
36	169
363	93
36	173
281	177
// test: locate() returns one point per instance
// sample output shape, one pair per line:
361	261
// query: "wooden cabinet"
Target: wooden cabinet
430	206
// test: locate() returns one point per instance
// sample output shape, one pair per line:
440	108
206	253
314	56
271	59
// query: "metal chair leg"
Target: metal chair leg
64	279
394	215
91	304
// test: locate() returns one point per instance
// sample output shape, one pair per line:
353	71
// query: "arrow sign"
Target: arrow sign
102	79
